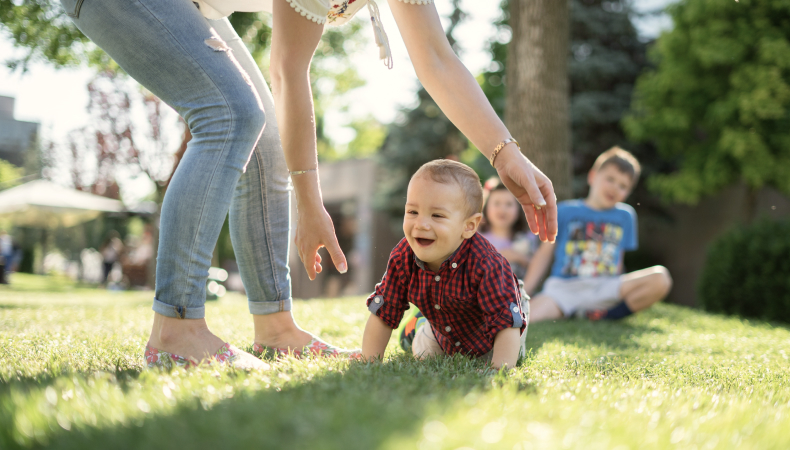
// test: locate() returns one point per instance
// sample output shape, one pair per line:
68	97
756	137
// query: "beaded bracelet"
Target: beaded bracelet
500	147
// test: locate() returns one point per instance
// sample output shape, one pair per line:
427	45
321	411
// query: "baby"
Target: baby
461	284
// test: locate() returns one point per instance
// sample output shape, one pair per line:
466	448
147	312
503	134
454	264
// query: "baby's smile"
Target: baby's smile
424	242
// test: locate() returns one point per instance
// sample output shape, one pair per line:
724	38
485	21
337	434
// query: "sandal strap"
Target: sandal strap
158	358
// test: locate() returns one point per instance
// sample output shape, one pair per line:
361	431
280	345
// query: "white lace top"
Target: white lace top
335	12
330	12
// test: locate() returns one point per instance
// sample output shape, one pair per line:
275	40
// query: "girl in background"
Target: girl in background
506	227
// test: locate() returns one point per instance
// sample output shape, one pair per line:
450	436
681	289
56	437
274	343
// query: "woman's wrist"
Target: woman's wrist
307	190
506	154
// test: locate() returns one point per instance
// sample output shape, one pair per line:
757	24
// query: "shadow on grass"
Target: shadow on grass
612	335
362	407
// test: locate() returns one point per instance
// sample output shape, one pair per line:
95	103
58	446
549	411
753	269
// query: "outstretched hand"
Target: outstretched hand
314	230
532	189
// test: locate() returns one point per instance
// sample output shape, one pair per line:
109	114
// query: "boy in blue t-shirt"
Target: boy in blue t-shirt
587	277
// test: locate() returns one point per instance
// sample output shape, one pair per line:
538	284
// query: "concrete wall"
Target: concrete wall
681	243
16	137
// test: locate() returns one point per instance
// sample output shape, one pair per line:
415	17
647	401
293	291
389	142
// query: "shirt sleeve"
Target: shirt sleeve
389	300
499	297
631	237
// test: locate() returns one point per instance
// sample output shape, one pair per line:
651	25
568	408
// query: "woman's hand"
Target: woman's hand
314	229
532	189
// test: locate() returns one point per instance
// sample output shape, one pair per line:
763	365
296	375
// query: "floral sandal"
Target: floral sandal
226	354
316	347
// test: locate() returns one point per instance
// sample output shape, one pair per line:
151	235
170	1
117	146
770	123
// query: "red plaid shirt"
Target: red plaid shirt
473	297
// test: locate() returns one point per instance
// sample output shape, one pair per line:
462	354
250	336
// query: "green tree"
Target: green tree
718	103
9	173
605	57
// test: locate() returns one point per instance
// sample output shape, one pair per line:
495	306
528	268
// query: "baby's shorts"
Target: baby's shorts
571	294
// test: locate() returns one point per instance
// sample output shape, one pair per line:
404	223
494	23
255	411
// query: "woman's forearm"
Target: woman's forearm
445	77
294	41
460	97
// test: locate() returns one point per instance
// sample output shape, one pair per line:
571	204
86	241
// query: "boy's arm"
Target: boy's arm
374	340
506	346
538	267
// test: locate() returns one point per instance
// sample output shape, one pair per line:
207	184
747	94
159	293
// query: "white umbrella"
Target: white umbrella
43	204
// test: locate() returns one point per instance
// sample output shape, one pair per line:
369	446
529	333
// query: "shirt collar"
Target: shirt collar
455	260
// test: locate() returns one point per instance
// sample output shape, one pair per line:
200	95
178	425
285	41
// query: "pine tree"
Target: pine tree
605	57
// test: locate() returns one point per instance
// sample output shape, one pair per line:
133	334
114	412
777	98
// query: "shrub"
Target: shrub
747	272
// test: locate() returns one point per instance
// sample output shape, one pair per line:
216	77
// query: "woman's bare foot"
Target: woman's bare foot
280	333
192	339
279	330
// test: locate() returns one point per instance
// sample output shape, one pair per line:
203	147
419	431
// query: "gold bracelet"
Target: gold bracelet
500	147
299	172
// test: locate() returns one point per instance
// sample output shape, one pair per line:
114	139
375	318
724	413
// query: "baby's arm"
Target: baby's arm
374	340
506	346
538	267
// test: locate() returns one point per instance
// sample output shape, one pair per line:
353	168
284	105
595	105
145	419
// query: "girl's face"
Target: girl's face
502	209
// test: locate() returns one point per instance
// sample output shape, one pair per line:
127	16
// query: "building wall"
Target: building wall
681	243
16	137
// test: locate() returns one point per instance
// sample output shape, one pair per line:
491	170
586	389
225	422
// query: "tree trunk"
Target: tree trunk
538	91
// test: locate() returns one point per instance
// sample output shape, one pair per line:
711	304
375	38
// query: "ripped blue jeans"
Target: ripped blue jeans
234	162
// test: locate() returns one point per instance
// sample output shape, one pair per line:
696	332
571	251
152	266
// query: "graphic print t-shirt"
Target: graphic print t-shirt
590	243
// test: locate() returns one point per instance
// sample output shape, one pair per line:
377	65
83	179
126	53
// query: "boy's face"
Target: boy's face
608	186
435	222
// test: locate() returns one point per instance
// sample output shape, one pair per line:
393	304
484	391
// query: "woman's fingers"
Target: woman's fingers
309	263
338	258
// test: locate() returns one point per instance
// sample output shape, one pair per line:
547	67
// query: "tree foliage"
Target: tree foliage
605	58
718	103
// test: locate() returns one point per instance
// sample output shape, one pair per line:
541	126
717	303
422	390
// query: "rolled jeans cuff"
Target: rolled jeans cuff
264	308
179	312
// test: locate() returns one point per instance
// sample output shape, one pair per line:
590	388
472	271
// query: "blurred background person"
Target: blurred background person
111	251
6	255
505	227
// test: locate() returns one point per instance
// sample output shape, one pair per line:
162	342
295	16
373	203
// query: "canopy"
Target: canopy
44	204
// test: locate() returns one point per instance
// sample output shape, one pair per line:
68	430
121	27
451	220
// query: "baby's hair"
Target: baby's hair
446	171
623	160
492	185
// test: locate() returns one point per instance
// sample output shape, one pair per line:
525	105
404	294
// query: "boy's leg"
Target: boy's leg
424	344
638	290
542	307
641	289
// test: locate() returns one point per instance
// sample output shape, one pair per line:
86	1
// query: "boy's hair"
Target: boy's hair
446	171
623	160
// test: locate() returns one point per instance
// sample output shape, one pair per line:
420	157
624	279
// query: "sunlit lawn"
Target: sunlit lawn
71	376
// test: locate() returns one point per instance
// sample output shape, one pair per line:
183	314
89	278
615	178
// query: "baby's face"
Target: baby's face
435	221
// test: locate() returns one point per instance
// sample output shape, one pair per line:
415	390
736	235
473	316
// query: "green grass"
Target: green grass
71	376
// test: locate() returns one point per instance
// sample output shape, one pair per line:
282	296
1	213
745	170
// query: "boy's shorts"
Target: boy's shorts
571	294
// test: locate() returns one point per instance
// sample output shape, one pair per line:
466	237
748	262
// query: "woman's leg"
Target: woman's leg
167	46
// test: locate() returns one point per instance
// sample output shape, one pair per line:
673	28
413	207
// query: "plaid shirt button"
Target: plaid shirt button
455	265
438	278
458	344
448	329
437	306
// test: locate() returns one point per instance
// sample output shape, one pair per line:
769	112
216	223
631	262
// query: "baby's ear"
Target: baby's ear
471	224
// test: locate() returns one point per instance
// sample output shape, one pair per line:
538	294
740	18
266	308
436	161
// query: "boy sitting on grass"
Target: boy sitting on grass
460	283
593	235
